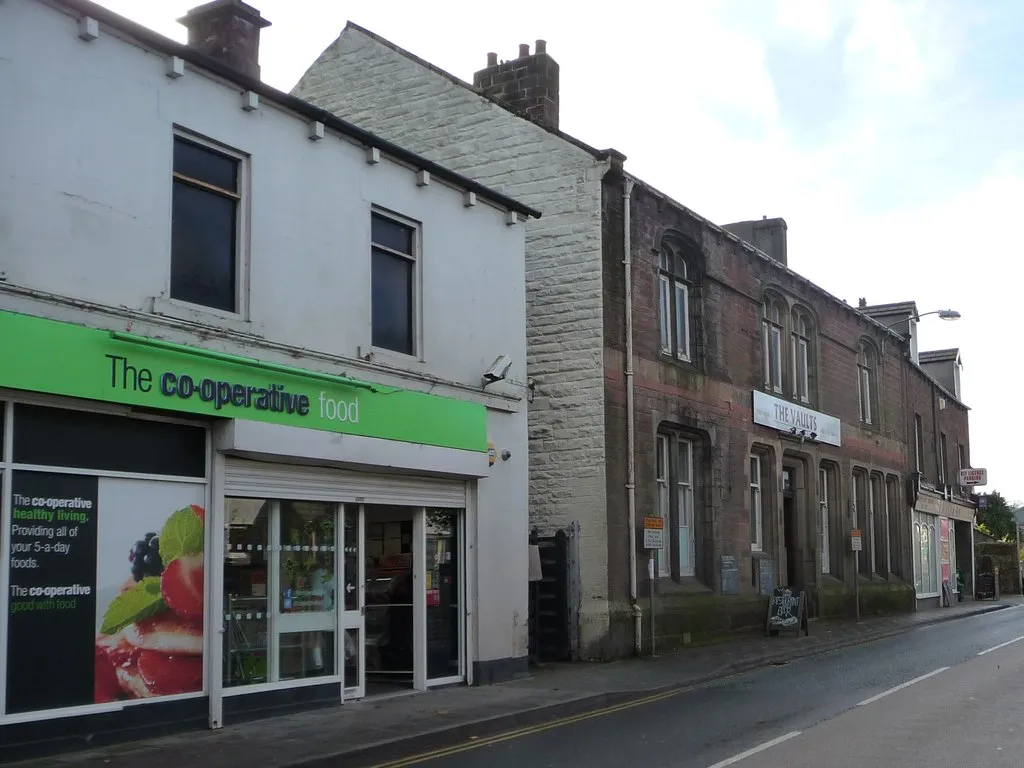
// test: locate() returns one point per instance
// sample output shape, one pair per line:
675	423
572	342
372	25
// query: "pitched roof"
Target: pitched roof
939	356
166	45
599	154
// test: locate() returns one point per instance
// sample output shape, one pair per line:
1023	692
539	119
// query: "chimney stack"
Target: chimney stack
228	31
527	85
767	235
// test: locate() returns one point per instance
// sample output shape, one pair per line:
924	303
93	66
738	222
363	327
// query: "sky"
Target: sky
886	132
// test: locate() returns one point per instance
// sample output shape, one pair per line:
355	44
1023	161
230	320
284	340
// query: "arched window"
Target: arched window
674	303
800	356
772	315
866	379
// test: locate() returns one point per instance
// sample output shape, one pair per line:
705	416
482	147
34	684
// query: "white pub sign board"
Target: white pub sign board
787	416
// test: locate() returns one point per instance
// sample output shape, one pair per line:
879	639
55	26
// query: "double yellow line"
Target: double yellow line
510	735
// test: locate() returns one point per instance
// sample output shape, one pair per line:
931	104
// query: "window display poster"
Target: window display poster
136	557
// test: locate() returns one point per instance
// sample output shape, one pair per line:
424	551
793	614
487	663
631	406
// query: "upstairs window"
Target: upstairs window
866	382
800	346
918	442
943	459
205	231
673	304
771	343
393	284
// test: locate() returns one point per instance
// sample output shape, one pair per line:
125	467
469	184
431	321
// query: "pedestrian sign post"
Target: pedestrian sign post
856	545
654	532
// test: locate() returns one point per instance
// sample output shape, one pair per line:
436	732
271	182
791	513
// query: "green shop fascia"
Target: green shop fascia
56	358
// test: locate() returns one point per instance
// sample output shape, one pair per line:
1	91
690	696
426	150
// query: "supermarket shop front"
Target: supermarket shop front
189	541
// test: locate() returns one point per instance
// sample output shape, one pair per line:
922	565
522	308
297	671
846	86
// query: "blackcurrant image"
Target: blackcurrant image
145	557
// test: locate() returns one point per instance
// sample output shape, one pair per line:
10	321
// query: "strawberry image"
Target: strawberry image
182	586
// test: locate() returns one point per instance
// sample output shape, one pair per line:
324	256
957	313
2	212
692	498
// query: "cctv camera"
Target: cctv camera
498	370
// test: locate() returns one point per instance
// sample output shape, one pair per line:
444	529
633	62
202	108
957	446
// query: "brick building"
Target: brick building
680	369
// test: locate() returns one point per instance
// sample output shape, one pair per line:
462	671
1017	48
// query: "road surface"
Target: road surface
943	694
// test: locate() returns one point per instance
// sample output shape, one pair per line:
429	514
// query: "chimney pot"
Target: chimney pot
527	86
862	303
228	31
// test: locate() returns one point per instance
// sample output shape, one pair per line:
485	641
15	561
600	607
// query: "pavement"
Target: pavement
449	726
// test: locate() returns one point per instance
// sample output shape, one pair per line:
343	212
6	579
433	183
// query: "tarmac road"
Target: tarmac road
836	709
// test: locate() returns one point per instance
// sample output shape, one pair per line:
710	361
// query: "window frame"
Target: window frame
772	348
918	442
663	481
673	282
416	258
756	500
961	461
825	529
685	513
800	352
867	363
943	460
242	197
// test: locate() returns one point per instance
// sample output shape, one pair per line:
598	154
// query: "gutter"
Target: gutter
170	47
627	268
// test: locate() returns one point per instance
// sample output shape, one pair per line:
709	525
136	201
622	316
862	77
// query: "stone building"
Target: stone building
680	370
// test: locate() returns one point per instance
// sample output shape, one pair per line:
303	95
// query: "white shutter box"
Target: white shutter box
257	479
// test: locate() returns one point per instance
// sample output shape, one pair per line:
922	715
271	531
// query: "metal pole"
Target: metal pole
651	570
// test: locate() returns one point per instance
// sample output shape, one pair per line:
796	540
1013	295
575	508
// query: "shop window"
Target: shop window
674	480
860	512
926	557
106	576
828	506
879	523
893	508
279	590
393	289
444	590
205	228
756	502
56	437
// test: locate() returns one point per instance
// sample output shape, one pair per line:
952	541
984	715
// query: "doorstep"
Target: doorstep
375	730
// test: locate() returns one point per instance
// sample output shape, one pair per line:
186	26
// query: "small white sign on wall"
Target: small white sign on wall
654	532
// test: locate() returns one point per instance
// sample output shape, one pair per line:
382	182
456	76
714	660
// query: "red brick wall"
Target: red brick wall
711	397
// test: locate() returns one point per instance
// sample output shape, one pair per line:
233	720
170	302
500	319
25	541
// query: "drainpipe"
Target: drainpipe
627	268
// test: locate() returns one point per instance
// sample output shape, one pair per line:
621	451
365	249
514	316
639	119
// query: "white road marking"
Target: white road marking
901	686
754	750
1001	645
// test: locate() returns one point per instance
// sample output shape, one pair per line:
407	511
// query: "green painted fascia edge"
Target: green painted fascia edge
473	416
251	362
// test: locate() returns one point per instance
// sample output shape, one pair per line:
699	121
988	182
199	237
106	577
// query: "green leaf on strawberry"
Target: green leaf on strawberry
140	602
182	534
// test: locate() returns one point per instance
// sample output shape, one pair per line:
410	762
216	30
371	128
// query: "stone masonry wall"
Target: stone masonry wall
369	83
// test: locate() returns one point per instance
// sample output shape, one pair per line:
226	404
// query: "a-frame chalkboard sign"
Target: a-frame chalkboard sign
787	611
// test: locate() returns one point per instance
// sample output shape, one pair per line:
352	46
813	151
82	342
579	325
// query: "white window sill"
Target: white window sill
924	595
193	313
394	359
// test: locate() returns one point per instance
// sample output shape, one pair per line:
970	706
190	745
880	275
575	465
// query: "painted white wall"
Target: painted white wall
370	83
85	204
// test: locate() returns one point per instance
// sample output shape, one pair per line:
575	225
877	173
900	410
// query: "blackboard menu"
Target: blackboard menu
787	611
51	624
